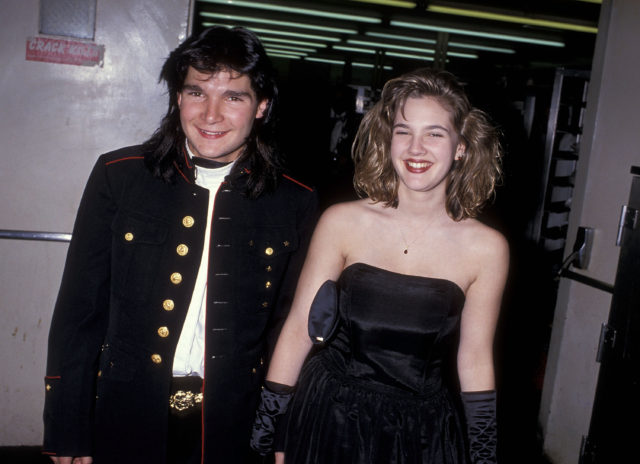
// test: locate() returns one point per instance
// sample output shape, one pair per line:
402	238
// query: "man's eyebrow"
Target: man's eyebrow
238	93
192	87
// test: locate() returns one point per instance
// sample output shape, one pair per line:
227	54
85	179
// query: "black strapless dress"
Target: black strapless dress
383	390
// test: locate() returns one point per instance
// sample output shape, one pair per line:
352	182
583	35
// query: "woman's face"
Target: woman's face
424	144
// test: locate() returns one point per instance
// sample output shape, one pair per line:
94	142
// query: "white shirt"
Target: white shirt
189	357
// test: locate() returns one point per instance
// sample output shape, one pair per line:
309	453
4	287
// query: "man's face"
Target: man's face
217	112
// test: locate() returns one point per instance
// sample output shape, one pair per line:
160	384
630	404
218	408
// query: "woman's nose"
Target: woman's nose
416	145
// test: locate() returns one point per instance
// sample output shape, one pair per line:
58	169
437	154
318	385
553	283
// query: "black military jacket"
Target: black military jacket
129	277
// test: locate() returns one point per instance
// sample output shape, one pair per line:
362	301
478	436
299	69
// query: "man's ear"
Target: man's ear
179	99
460	151
262	107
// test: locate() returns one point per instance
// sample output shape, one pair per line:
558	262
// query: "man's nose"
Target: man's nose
212	112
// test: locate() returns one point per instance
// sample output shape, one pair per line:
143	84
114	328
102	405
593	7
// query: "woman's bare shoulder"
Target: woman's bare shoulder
482	239
348	212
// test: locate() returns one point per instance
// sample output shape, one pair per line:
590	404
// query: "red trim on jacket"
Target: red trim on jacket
123	159
297	182
52	377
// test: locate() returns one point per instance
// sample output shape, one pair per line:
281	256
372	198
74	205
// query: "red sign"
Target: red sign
64	51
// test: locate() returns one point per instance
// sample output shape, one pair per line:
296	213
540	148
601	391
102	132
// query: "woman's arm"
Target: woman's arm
325	261
480	313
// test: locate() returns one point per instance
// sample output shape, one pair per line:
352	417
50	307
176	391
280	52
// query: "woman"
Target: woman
420	284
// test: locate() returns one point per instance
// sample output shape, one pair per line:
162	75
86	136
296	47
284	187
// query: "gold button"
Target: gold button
163	332
48	387
268	251
156	358
182	249
176	278
267	284
128	236
99	373
269	268
265	304
253	370
188	221
286	243
250	242
168	305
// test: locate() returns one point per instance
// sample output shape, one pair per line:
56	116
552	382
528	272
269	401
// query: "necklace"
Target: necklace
422	231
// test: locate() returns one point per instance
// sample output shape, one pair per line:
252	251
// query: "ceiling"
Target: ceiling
387	36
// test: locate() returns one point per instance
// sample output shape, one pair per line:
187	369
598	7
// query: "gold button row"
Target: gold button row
176	278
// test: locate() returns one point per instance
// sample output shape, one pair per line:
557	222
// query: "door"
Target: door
615	422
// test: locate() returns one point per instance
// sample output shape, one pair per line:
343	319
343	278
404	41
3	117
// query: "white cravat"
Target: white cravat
189	357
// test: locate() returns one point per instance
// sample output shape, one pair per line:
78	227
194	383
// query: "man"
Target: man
183	262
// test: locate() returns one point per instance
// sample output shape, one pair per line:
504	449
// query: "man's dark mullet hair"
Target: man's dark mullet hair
214	50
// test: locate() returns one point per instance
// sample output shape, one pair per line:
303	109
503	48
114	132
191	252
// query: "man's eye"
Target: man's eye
194	93
435	134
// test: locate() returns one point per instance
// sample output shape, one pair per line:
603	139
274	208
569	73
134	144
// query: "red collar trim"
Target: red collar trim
187	161
181	173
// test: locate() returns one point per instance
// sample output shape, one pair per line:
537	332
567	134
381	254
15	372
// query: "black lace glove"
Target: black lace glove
274	400
480	409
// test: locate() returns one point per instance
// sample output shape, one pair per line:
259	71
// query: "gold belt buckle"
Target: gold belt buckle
182	400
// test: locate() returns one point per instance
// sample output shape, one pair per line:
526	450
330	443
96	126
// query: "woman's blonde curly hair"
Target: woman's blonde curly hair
473	177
